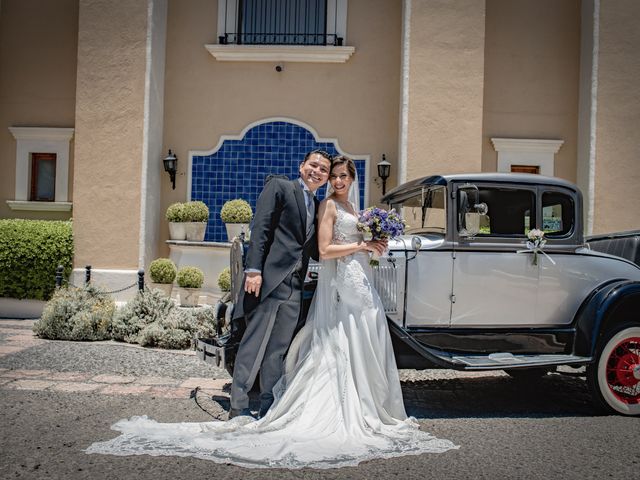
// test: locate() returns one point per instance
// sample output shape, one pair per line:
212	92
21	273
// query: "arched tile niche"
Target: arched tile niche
238	165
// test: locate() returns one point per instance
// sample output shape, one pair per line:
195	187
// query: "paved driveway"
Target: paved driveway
56	398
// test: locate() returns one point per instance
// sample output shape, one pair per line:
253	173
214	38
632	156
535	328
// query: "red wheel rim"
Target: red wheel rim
623	371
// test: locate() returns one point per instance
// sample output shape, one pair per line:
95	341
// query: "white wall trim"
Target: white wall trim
24	205
404	91
280	53
41	140
240	136
525	151
110	280
593	124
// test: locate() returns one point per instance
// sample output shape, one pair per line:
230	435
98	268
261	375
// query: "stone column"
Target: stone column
442	90
118	134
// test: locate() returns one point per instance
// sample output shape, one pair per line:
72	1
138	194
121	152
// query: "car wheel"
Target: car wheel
527	374
614	378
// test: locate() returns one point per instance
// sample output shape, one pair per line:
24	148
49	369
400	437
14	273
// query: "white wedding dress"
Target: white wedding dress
339	403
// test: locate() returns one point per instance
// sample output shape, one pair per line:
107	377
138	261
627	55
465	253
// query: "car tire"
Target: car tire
527	374
614	377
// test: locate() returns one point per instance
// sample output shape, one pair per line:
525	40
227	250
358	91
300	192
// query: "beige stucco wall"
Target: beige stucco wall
355	102
445	87
532	62
617	164
109	132
38	43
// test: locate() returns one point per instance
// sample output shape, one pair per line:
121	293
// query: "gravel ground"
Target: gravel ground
505	428
111	357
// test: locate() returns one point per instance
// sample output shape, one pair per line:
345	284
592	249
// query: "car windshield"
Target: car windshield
425	211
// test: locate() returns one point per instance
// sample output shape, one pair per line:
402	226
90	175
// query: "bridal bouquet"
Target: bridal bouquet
379	224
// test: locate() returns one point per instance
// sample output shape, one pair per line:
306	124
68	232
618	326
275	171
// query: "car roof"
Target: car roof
506	178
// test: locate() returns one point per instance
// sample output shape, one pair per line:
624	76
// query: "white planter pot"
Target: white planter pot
189	297
235	229
163	287
177	231
195	231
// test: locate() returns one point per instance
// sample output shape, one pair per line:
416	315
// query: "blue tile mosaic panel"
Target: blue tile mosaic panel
239	167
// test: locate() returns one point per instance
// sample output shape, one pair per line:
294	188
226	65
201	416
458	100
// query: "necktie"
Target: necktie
309	201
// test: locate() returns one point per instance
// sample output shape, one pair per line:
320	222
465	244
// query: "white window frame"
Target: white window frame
527	151
41	140
336	24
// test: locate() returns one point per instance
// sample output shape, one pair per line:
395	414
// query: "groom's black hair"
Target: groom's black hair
320	152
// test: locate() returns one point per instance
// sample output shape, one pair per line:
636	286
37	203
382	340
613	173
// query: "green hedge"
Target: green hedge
30	251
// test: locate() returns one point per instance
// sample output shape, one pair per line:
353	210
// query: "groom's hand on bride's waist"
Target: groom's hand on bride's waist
253	282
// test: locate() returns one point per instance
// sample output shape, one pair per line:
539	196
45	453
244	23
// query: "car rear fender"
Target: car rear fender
615	302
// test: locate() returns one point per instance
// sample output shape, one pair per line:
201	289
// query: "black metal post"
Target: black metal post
87	275
141	280
59	272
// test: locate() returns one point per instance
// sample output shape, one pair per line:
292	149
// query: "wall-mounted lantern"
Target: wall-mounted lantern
384	170
171	167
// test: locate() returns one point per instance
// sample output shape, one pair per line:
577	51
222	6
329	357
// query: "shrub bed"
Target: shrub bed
76	314
30	252
151	319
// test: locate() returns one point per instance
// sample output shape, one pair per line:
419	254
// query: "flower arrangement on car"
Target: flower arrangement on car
379	224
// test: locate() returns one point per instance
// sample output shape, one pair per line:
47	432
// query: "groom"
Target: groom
282	240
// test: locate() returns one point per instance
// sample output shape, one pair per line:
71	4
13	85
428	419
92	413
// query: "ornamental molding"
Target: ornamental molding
42	133
280	53
526	145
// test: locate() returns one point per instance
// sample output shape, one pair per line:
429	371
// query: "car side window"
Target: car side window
425	212
557	214
511	211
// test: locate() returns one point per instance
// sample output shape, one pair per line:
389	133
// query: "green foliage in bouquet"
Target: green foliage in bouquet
236	211
190	277
162	270
224	280
196	212
76	314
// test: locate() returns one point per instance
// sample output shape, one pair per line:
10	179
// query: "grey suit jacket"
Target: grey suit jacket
280	240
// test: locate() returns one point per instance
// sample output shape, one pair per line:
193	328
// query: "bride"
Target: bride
339	402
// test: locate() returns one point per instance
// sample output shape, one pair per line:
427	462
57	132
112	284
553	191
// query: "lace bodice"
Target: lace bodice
345	230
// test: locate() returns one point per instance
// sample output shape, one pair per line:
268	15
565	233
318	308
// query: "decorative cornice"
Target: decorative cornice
280	53
40	206
42	133
526	145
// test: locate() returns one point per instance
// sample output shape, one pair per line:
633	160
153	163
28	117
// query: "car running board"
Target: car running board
507	360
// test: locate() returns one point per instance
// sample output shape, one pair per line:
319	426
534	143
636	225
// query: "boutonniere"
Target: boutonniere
535	245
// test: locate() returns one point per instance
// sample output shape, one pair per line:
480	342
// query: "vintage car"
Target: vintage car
466	289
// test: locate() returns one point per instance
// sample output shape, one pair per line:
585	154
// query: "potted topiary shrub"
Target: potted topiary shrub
224	280
236	214
175	216
190	279
163	273
196	215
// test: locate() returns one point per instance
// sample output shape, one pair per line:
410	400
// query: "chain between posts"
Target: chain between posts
87	281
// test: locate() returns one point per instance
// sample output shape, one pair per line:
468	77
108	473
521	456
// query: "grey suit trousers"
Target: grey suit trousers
270	329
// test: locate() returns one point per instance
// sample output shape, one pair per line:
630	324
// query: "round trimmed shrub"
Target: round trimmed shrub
196	212
224	280
236	211
190	277
162	270
176	213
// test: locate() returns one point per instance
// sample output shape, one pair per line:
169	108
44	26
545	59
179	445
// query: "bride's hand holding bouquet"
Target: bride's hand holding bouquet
379	226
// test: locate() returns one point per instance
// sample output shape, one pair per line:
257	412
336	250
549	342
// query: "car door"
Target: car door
494	280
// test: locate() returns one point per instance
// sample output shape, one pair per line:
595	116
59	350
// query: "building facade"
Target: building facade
93	94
